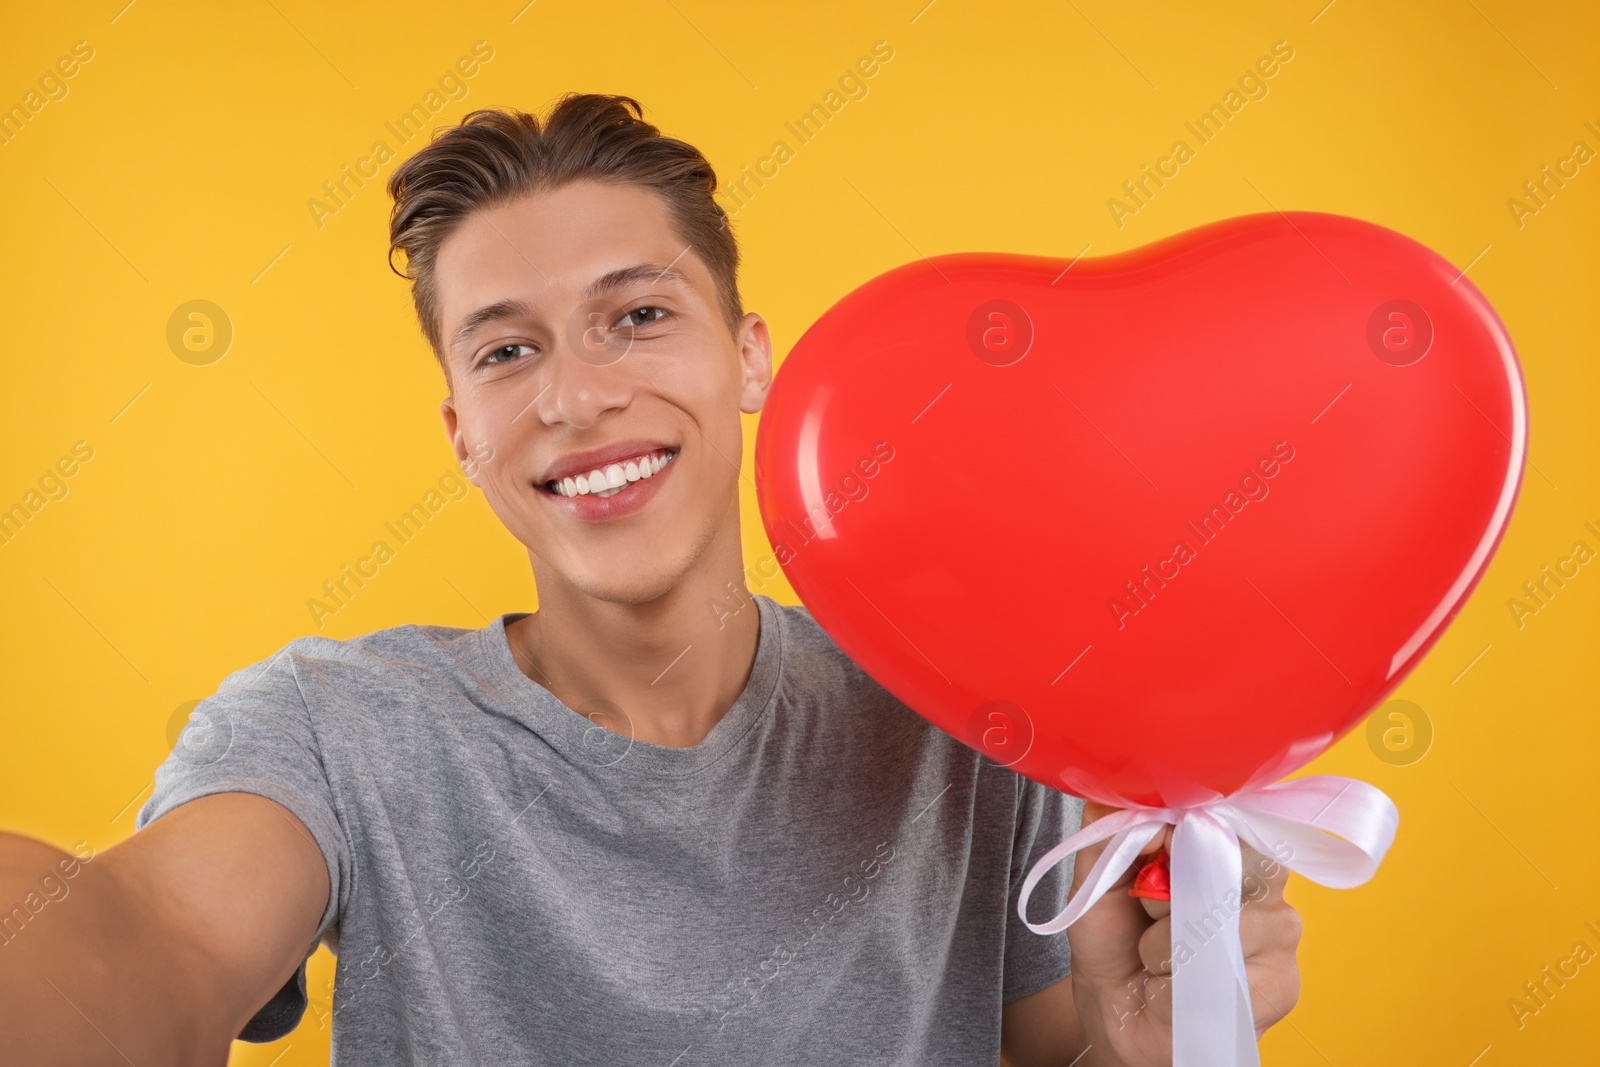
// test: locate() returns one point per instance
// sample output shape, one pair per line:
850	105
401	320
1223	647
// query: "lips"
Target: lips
614	501
575	463
613	477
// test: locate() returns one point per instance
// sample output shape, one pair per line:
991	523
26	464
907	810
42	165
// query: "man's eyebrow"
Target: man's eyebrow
509	308
640	272
513	308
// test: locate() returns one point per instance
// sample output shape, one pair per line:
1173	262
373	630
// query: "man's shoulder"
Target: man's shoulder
816	672
392	652
810	653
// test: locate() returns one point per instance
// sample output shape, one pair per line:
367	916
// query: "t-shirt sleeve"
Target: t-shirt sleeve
254	735
1045	818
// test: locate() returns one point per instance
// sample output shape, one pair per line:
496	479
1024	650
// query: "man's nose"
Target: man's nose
586	377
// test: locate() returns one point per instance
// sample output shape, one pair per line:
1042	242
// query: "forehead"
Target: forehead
548	245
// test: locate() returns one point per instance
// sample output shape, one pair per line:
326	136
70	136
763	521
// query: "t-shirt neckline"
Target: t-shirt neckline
589	745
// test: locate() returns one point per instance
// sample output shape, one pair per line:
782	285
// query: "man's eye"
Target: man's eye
629	320
502	350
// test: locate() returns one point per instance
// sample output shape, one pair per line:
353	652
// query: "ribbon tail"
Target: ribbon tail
1212	1021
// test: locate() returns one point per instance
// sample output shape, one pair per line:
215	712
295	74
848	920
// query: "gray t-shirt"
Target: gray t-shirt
825	878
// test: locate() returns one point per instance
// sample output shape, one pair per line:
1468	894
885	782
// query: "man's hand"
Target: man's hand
1122	958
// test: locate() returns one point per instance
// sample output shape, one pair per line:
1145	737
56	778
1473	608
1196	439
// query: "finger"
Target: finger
1156	909
1105	939
1261	879
1144	996
1274	991
1268	928
1268	867
1162	840
1094	811
1085	858
1155	947
1089	855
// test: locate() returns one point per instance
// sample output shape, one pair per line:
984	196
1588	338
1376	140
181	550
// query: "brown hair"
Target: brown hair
497	155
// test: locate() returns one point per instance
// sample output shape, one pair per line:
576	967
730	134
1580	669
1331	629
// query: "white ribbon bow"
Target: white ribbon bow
1293	822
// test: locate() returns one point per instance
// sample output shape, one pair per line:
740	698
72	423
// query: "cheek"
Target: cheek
710	422
495	469
498	454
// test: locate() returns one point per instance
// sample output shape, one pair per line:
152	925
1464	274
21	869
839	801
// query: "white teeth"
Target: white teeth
615	476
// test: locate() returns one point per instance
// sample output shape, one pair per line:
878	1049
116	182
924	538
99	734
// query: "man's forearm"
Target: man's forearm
86	975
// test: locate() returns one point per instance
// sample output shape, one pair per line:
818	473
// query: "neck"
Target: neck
664	671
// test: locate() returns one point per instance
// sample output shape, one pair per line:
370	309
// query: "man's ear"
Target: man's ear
755	363
458	441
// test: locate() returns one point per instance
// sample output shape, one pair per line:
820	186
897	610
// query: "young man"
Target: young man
661	820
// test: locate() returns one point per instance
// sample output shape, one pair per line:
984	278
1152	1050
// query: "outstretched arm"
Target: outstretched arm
164	945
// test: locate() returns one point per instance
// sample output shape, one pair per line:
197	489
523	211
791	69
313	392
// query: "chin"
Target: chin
637	587
640	567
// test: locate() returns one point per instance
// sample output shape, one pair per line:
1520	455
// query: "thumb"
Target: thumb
1105	939
1088	856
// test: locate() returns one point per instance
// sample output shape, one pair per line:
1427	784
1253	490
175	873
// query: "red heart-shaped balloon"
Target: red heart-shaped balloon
1154	526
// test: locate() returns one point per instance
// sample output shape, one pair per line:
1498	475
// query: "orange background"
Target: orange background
179	162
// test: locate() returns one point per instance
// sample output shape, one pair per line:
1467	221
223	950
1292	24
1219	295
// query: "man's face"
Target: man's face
643	365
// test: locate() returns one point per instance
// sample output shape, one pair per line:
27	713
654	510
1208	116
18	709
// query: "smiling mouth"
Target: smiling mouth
613	478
